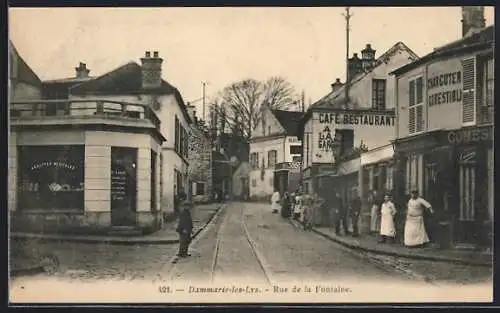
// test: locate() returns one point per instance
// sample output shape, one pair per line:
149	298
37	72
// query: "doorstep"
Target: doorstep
432	253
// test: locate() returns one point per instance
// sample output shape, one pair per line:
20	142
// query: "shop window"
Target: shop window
376	173
469	91
200	189
390	178
415	104
378	94
467	178
296	149
161	176
412	173
271	158
51	177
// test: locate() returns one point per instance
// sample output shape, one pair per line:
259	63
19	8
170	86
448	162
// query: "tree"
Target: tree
238	107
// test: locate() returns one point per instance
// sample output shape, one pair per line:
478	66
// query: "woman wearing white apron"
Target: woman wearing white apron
275	202
297	208
415	233
387	227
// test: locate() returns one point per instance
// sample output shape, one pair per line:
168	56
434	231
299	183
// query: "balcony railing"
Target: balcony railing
486	115
35	110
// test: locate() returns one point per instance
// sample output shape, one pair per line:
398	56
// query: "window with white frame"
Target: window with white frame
378	94
469	91
254	183
272	158
416	105
254	160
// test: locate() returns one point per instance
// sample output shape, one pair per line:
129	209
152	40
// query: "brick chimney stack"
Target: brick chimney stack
368	57
151	70
82	71
355	66
337	84
473	20
191	111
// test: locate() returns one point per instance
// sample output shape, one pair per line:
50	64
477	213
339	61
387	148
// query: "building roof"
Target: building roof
126	79
332	99
59	88
290	120
479	40
24	72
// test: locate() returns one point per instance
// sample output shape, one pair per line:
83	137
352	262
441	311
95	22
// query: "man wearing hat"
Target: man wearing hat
184	229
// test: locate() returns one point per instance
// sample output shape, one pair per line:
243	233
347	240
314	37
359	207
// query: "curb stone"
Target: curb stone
396	254
116	241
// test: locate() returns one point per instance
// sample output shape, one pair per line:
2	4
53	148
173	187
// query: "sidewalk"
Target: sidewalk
202	215
369	243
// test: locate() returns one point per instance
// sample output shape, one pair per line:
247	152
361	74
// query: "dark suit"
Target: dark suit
184	228
354	212
340	215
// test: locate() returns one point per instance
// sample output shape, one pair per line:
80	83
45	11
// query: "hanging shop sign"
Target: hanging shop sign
356	118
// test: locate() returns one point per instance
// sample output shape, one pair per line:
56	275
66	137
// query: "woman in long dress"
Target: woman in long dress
275	202
415	234
297	207
387	226
375	213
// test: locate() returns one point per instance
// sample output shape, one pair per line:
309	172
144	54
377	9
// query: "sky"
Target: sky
222	45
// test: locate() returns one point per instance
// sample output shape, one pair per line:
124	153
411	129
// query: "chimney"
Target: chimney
151	70
191	111
82	71
368	57
355	66
337	84
473	20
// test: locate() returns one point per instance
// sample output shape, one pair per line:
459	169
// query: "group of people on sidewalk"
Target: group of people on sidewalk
302	207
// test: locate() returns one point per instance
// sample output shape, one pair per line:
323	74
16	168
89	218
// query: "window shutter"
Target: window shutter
419	90
411	93
419	118
468	88
411	120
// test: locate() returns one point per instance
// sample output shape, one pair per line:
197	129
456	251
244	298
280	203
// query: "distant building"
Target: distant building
273	142
444	134
335	131
241	187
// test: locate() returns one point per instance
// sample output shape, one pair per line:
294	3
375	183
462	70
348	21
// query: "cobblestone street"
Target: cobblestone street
246	243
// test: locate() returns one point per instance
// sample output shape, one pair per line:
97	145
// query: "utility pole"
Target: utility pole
347	15
302	101
203	84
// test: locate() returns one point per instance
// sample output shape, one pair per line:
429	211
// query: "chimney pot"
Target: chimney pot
155	54
337	81
355	55
148	54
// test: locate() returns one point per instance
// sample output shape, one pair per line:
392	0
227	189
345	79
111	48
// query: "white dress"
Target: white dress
415	233
275	201
387	227
298	205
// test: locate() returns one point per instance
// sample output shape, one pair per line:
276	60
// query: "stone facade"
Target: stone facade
199	170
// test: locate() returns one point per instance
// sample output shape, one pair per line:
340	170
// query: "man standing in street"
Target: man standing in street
184	229
355	210
340	215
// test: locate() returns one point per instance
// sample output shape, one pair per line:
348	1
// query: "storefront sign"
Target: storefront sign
444	82
355	118
58	164
474	135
